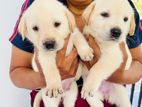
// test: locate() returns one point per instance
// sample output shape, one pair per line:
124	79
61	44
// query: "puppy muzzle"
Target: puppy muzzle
50	45
115	33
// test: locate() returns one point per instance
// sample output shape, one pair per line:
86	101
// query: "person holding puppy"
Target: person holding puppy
23	76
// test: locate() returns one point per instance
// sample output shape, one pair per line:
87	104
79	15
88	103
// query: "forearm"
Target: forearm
130	76
26	78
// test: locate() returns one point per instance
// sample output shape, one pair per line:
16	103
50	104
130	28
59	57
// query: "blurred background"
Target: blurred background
11	96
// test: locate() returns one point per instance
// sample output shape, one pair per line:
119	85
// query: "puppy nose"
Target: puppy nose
115	32
49	44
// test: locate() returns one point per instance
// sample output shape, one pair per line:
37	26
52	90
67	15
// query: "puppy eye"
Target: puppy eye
105	14
57	24
125	19
35	28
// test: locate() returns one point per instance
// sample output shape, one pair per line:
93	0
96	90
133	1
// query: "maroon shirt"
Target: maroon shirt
79	102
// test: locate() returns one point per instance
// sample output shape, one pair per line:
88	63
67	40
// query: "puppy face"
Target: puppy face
46	23
110	20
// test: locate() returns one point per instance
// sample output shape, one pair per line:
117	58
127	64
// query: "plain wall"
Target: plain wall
10	96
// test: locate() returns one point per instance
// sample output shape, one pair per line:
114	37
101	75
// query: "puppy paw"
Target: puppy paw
53	91
86	54
54	87
88	90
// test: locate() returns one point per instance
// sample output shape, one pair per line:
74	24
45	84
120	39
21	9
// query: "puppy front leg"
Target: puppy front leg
48	101
99	72
84	50
51	74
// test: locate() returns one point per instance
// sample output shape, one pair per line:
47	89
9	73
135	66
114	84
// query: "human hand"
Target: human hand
67	65
41	80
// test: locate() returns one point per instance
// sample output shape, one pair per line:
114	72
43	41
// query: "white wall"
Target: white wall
10	96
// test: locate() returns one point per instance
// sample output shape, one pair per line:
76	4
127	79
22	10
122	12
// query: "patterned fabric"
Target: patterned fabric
135	40
16	38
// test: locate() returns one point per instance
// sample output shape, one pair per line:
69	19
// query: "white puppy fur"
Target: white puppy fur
47	23
109	22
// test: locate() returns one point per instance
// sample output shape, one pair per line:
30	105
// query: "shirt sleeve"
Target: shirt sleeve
16	38
136	39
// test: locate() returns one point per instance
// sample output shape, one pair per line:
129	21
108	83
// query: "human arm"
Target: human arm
134	73
21	72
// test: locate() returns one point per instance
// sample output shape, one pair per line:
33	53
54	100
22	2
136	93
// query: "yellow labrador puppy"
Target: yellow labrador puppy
47	23
109	22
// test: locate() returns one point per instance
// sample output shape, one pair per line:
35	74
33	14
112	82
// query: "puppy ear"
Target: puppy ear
87	12
71	19
69	45
22	27
132	25
71	40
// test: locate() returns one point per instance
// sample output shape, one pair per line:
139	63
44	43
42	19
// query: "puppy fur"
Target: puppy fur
47	23
109	22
